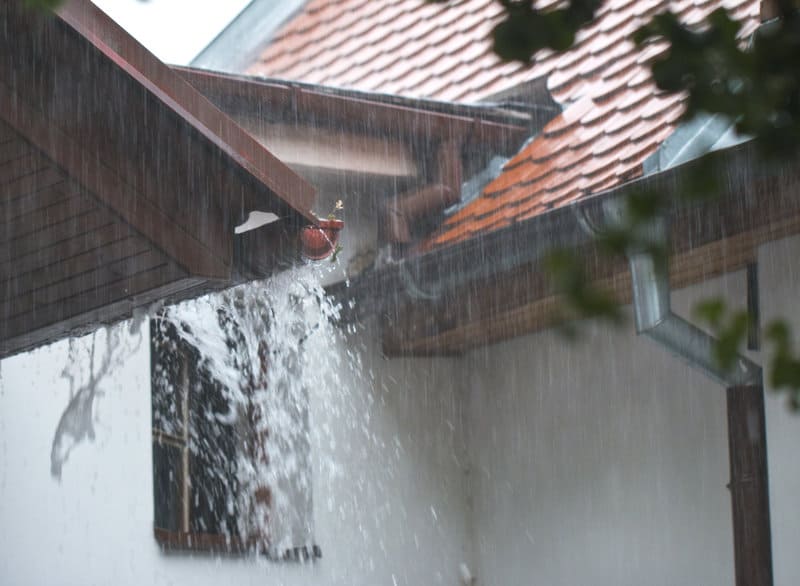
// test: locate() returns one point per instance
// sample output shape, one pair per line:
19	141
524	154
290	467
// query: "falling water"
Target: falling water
266	344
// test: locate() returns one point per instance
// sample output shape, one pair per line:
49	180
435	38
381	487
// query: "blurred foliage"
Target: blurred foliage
784	367
729	327
756	84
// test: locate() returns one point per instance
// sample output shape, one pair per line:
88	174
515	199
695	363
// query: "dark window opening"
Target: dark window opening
196	447
199	441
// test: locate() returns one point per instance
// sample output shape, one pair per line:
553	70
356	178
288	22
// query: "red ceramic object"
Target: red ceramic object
320	241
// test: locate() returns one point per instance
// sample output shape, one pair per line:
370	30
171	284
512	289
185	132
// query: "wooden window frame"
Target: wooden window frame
187	539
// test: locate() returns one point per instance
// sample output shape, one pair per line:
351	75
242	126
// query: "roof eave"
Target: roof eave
488	255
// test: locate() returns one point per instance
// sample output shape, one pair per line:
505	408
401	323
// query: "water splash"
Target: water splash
267	344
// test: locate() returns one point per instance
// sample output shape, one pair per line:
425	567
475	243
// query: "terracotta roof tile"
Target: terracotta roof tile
342	43
614	119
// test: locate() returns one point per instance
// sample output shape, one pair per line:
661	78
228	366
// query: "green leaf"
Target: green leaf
710	311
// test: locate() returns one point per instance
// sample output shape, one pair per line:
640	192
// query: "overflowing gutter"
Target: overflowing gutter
752	194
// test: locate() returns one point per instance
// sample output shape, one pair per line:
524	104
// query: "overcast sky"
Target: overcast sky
175	30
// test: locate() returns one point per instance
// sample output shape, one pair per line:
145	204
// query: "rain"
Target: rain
332	293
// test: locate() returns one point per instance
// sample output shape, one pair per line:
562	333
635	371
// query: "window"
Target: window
203	444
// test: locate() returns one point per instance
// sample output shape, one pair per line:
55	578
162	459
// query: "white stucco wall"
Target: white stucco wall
779	274
389	504
535	461
606	462
601	462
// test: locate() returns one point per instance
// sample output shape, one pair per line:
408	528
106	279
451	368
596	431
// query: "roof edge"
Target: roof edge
188	103
516	114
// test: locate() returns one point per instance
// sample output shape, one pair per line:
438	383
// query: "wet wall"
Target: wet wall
602	461
531	461
606	461
389	485
780	283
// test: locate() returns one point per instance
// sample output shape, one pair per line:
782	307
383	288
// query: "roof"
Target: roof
120	184
406	47
239	43
614	118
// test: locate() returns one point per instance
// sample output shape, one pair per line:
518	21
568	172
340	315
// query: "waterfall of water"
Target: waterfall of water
265	344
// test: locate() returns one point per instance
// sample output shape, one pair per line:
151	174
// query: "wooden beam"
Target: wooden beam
66	292
336	150
189	105
306	106
81	264
62	251
46	218
747	447
93	301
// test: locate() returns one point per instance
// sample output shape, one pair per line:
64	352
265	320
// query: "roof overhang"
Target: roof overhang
323	132
493	286
120	184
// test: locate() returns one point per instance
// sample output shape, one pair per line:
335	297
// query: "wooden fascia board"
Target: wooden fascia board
88	170
501	322
190	105
302	105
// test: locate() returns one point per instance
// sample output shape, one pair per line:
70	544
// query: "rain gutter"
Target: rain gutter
485	255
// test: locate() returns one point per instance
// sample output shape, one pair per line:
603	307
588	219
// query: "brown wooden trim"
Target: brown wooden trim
61	270
87	221
12	150
518	303
173	541
99	307
29	185
38	299
63	251
749	486
31	203
46	219
86	300
303	105
207	542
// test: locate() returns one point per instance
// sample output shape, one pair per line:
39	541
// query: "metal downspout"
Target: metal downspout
653	313
744	389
